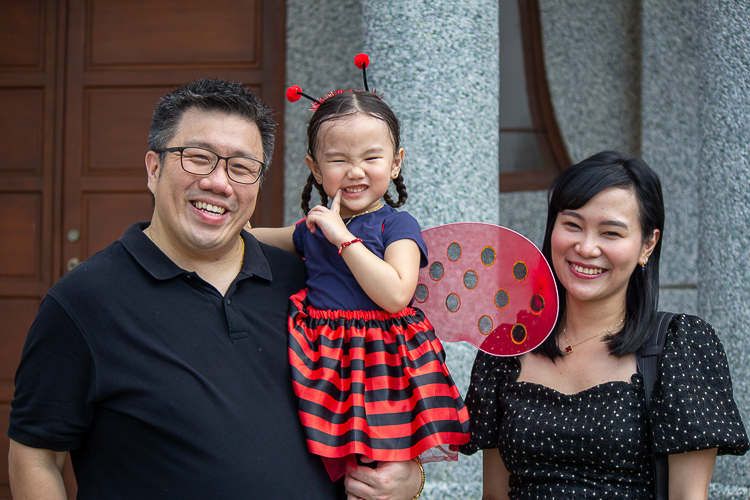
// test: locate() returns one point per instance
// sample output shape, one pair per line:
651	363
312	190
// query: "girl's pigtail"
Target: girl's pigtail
400	189
306	194
307	191
322	193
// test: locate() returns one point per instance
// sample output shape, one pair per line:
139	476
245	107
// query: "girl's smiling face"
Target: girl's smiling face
355	154
596	247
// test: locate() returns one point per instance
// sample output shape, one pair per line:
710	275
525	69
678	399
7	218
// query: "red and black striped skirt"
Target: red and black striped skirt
373	383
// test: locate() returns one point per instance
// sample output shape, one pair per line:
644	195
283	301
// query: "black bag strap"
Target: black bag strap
647	358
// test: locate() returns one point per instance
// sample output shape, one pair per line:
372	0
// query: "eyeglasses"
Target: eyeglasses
200	161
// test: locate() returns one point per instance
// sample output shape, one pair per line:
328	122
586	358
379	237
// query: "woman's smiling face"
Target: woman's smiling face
595	248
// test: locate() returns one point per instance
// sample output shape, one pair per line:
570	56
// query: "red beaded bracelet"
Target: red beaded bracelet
347	243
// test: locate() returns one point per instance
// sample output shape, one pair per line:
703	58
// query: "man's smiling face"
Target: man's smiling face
201	215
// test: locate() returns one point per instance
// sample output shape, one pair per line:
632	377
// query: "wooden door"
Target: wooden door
29	79
78	82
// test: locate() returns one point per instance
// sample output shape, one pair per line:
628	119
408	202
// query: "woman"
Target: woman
569	419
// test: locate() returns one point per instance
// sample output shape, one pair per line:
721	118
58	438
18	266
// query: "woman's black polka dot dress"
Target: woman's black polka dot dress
594	444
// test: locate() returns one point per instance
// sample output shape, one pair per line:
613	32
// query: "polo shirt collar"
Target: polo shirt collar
161	267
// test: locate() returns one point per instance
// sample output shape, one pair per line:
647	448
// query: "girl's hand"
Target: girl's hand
390	281
329	221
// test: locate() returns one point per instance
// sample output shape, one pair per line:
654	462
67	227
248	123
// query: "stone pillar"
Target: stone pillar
724	235
671	139
436	63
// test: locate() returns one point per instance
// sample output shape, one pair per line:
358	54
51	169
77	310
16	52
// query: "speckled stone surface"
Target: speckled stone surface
724	237
592	61
437	64
671	130
525	212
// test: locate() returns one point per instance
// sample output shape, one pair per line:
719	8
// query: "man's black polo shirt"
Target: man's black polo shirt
162	388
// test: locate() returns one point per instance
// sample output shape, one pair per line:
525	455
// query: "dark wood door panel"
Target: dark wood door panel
22	36
21	227
115	127
21	130
108	215
134	33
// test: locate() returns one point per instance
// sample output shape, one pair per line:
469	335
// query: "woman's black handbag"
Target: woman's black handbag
648	357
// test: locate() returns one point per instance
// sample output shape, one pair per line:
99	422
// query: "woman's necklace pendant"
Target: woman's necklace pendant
570	347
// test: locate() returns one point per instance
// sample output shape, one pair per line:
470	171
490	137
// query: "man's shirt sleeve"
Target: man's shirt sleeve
55	383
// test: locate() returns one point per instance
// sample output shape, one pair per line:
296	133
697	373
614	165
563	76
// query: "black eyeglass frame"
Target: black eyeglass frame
180	149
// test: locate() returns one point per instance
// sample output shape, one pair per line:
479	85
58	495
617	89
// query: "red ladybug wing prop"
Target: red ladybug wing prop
487	285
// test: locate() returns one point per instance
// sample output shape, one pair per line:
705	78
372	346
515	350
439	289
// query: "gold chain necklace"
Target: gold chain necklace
380	205
569	349
242	258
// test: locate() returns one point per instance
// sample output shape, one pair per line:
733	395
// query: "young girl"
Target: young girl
367	368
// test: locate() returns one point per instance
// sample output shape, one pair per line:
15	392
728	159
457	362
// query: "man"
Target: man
160	364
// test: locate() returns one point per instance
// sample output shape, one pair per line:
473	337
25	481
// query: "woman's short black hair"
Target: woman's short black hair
571	190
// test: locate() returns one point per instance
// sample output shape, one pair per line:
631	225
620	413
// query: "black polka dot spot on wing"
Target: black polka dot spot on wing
488	256
536	304
421	293
454	251
485	325
520	271
453	302
470	279
501	299
518	333
436	271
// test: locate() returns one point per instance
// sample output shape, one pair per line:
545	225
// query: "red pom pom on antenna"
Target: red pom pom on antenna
293	93
361	61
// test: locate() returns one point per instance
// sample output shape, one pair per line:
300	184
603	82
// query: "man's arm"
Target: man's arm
36	473
388	481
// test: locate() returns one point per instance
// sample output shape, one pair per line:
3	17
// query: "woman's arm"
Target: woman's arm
690	473
495	477
279	237
390	282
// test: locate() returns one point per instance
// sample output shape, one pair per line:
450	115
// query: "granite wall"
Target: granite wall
724	203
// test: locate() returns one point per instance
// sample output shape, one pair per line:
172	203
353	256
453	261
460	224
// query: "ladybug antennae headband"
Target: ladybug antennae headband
294	92
363	61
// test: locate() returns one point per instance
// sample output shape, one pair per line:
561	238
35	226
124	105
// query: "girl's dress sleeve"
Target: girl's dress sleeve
401	226
488	378
692	406
298	236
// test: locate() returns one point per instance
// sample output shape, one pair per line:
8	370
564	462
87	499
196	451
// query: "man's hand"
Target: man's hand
388	481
